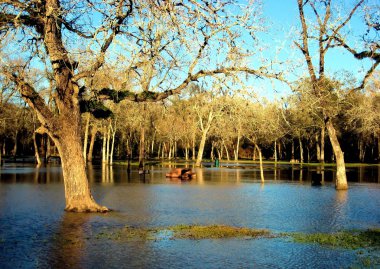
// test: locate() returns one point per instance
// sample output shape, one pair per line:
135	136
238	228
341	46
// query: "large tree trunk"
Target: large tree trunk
341	179
77	192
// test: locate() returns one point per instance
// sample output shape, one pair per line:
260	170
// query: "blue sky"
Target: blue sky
283	22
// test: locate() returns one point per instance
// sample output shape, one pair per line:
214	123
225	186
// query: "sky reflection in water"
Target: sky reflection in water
35	232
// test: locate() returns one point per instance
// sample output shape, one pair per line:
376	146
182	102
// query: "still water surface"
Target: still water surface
36	233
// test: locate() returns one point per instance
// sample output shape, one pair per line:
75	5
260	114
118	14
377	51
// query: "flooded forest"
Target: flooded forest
189	134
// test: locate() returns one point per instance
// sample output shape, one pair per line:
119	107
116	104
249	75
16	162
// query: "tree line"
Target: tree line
202	124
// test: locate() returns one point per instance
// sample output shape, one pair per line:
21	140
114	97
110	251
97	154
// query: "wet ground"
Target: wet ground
35	232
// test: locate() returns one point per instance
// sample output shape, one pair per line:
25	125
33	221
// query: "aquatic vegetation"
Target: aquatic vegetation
346	239
193	232
216	231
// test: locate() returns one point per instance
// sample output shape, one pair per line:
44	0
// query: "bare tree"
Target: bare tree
75	47
329	27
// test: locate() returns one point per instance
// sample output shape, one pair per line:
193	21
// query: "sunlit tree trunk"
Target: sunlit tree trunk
318	147
104	159
85	142
301	149
341	179
112	144
261	163
94	131
187	151
68	141
142	145
275	151
201	149
236	151
205	129
36	153
193	142
322	156
159	150
108	143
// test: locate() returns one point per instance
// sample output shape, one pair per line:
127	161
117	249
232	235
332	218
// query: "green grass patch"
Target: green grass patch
346	239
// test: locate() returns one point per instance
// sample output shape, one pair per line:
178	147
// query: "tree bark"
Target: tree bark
341	178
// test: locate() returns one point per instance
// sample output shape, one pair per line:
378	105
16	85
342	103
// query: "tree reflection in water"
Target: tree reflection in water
69	242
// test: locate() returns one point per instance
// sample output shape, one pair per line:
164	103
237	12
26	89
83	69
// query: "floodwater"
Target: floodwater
35	232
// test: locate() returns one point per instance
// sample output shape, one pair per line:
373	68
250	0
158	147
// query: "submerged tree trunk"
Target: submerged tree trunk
77	192
341	179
